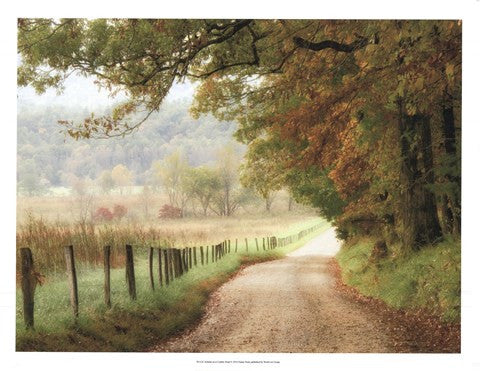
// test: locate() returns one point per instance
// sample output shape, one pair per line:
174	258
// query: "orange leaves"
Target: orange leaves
351	167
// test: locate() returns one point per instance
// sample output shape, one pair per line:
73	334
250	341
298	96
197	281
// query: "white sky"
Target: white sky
81	92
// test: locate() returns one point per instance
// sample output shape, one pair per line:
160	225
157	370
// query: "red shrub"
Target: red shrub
119	211
103	214
169	212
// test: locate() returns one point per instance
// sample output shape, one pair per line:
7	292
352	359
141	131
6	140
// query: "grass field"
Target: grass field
134	325
428	279
47	239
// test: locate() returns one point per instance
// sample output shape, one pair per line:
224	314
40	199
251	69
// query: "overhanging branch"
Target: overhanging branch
361	42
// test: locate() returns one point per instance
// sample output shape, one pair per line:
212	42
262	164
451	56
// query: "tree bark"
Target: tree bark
452	201
418	212
430	213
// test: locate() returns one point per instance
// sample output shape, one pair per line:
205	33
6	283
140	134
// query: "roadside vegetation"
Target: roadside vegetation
427	280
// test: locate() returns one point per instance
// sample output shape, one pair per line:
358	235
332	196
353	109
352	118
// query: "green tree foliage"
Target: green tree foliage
203	184
106	182
122	177
30	181
227	167
262	172
172	174
364	113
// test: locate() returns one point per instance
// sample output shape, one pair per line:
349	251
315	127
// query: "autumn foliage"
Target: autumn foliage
106	215
103	214
169	212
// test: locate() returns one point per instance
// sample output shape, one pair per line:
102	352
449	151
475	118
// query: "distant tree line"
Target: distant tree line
46	157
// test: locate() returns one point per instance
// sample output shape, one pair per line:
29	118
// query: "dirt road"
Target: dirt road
287	305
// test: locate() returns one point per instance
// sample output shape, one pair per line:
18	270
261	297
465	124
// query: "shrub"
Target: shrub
169	212
119	211
103	214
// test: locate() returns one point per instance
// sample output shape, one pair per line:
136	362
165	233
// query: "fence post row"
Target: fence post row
176	262
72	278
106	270
130	271
28	286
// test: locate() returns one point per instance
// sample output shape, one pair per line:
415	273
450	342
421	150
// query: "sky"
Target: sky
81	92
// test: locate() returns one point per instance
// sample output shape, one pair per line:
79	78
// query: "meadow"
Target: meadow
47	224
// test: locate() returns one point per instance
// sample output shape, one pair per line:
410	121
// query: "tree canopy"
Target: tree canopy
363	116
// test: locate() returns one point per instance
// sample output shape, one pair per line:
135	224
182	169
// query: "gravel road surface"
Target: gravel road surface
286	305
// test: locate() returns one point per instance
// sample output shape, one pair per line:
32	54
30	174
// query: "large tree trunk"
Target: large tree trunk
452	201
430	212
418	212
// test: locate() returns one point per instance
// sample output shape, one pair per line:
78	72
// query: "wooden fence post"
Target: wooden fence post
246	244
185	259
201	254
179	262
256	242
190	260
206	254
268	243
195	255
72	278
166	265
130	270
106	270
236	244
160	276
229	246
150	267
174	263
213	253
173	268
263	243
28	286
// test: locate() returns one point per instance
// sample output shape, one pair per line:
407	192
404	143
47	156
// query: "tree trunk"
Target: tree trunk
418	213
453	206
290	203
430	212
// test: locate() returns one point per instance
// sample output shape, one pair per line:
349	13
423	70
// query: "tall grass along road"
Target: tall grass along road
287	305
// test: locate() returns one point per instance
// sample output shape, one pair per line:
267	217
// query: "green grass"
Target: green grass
132	325
428	279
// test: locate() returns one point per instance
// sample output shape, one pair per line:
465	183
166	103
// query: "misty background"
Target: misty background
49	161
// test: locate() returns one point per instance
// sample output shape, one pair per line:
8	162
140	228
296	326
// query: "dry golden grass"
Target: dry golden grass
47	224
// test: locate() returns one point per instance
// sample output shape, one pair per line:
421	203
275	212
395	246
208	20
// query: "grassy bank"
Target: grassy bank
132	326
428	279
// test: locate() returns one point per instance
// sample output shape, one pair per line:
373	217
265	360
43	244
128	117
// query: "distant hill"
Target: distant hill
43	149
